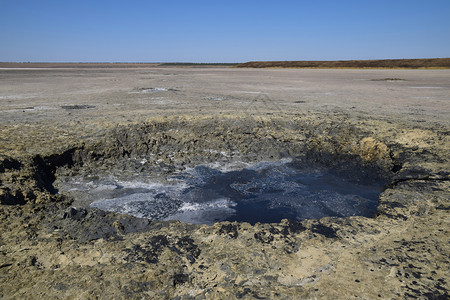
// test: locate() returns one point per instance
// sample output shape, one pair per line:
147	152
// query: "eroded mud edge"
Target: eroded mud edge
58	250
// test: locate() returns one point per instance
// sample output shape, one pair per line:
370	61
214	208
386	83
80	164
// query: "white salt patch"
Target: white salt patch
222	167
104	187
149	90
204	213
219	203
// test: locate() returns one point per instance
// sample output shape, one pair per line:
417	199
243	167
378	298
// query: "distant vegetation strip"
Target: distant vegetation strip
426	63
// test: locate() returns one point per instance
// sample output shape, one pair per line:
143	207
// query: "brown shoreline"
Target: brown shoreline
431	63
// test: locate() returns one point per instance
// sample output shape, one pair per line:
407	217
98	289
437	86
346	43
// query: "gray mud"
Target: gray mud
265	192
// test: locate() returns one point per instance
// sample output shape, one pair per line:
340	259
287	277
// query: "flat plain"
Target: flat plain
124	93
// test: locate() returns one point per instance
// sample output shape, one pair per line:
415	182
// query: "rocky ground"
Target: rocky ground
389	124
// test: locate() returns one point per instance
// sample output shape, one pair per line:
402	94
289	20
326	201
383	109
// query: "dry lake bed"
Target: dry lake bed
224	183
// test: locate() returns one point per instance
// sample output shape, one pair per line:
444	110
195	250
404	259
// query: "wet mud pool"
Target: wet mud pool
188	183
265	192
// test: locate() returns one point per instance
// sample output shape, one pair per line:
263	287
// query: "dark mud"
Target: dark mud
264	192
77	106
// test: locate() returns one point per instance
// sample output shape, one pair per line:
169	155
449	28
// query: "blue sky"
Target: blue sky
222	31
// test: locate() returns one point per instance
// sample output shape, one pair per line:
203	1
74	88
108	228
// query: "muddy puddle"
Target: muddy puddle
265	192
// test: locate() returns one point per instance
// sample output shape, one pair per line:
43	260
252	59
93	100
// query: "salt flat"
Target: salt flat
415	95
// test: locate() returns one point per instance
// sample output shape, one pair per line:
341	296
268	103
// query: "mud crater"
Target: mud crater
157	171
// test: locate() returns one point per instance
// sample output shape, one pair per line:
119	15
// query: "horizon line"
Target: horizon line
191	62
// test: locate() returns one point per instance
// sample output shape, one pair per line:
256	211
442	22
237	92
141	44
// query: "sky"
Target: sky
221	31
